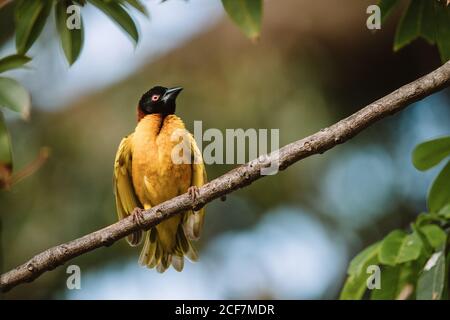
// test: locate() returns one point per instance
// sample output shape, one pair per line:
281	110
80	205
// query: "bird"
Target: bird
145	175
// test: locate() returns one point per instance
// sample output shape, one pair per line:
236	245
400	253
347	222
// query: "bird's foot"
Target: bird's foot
138	216
193	193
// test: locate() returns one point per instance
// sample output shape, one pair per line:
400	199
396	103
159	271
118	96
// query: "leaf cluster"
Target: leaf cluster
414	264
428	19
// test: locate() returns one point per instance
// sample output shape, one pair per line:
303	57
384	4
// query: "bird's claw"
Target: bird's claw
138	216
194	193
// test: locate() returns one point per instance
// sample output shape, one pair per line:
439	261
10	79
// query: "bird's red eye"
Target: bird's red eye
155	97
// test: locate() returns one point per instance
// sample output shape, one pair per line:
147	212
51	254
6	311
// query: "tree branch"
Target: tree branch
237	178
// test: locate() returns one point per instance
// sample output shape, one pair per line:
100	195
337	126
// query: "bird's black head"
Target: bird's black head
159	100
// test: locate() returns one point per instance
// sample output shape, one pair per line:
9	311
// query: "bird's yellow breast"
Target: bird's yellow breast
155	177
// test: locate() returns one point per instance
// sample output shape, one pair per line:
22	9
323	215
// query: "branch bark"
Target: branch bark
237	178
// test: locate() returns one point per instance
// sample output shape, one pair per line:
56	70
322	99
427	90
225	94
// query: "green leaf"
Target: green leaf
138	6
428	27
399	247
429	19
246	14
356	283
30	18
427	249
409	25
390	278
439	194
386	8
436	237
13	96
394	280
357	264
426	218
429	153
14	61
71	39
442	12
5	153
445	212
430	285
355	286
119	15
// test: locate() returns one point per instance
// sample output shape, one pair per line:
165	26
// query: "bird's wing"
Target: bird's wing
126	198
199	177
194	219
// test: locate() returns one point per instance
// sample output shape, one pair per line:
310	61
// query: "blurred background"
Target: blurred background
286	236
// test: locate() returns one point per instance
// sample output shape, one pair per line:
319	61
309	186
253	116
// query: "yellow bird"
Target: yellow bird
145	174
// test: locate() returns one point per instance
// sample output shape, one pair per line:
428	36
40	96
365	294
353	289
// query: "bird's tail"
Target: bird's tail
157	253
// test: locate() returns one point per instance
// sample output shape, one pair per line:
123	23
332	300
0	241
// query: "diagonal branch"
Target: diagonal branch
237	178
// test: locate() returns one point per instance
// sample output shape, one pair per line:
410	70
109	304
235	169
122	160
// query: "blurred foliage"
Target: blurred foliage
430	153
30	17
247	14
71	40
427	19
413	265
14	97
5	154
117	12
12	62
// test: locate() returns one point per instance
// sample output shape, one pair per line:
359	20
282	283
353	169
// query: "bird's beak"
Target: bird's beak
171	94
